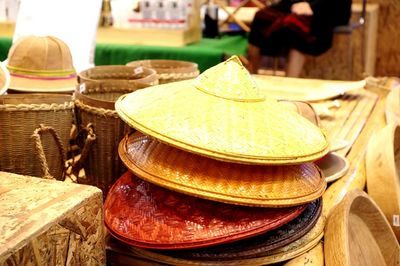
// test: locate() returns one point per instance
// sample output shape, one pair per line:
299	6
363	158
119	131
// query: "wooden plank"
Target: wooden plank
44	221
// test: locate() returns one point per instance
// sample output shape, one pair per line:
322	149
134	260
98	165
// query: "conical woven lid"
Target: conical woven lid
4	79
222	115
294	249
267	186
41	64
257	246
145	215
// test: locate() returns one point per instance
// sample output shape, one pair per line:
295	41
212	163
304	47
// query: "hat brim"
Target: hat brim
265	186
22	84
256	132
145	215
6	74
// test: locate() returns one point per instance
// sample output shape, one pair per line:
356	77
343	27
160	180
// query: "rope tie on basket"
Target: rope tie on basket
40	151
37	107
90	138
96	110
178	75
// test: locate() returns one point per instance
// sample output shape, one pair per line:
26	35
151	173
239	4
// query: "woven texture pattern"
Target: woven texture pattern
259	245
20	115
127	76
294	249
146	215
237	124
268	186
95	107
169	70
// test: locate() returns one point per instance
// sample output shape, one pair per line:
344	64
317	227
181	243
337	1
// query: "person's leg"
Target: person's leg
295	63
254	57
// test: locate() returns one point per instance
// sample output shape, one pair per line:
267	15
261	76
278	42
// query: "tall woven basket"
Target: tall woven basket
169	70
35	130
94	103
128	75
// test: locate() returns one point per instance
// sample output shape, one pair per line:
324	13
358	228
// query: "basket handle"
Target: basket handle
40	151
90	138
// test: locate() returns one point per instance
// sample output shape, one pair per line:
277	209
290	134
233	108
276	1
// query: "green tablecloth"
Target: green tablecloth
206	53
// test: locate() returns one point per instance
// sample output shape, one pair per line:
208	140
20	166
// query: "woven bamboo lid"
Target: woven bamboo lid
259	245
4	79
358	231
222	115
169	70
41	64
294	249
267	186
145	215
382	170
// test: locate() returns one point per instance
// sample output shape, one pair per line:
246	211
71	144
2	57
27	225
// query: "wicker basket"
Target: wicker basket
22	151
169	70
94	105
126	75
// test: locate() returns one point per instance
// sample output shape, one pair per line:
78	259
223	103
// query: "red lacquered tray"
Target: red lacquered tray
145	215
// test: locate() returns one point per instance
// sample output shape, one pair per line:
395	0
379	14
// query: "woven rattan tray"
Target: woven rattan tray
145	215
294	249
299	89
267	186
259	245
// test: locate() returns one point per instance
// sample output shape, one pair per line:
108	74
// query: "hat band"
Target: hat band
41	73
43	78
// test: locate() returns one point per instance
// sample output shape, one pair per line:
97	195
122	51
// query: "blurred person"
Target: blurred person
294	29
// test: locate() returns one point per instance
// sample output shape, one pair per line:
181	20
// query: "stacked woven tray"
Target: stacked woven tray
219	174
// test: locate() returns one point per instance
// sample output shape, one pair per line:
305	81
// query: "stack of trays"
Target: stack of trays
218	174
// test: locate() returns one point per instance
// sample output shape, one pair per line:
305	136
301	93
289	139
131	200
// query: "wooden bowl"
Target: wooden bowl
382	167
392	105
357	233
333	166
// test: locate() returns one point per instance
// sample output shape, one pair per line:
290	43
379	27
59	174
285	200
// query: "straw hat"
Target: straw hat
4	79
145	215
267	186
41	64
222	115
